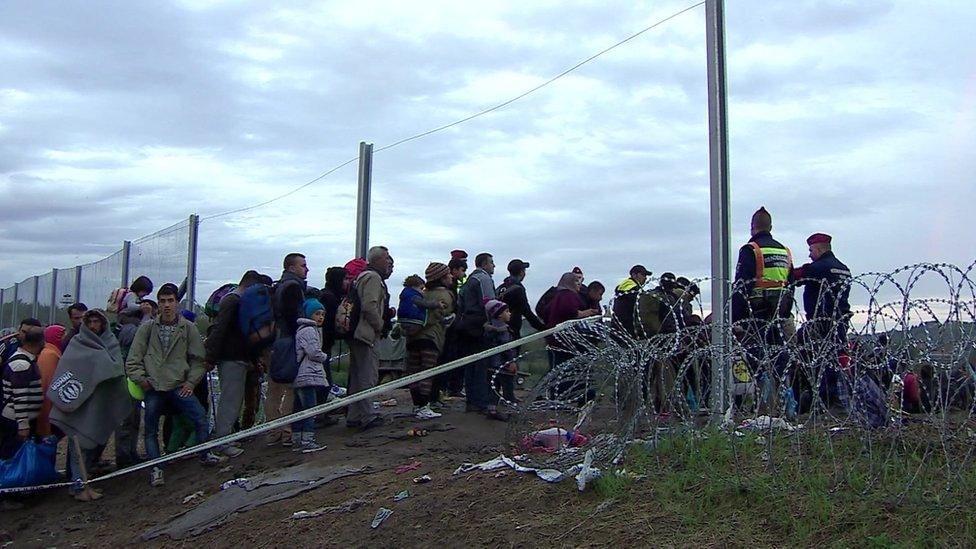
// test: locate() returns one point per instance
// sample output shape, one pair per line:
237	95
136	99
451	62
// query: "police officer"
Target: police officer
762	274
762	301
827	287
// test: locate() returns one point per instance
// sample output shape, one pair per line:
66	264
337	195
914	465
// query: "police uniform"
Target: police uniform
827	287
762	275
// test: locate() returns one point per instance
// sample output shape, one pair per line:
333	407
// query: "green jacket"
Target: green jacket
656	312
434	330
166	369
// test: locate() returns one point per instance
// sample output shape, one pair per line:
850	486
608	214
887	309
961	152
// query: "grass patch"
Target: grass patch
814	489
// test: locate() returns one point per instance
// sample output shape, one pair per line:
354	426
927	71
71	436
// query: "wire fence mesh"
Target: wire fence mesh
163	256
25	297
99	278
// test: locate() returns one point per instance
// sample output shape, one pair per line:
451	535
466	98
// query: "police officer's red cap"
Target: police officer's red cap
459	254
818	238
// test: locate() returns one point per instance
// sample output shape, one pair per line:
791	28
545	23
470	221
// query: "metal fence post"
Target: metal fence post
363	199
126	250
191	262
52	311
77	287
34	303
718	152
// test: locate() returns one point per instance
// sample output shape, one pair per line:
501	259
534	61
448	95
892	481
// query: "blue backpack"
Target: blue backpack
284	359
255	317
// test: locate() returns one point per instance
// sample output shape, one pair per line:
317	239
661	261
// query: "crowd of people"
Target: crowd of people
142	361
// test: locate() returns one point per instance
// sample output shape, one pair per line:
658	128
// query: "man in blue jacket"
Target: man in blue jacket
827	287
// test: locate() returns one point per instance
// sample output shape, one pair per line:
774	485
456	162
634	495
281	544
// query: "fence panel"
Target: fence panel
98	279
162	256
45	283
7	308
64	286
25	299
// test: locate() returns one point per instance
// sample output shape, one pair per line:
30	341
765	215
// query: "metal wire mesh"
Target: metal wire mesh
161	256
25	299
98	279
64	295
45	309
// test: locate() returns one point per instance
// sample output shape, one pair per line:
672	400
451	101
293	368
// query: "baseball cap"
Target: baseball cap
639	269
517	265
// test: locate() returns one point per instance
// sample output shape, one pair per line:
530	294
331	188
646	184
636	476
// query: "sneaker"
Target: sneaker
286	440
156	477
211	458
232	451
310	447
427	413
273	438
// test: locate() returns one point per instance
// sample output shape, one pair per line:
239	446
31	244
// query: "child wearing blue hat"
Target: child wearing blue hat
311	374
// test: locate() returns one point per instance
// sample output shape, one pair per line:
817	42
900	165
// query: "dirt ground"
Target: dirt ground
476	509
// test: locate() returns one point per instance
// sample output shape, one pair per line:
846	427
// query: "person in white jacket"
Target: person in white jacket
311	374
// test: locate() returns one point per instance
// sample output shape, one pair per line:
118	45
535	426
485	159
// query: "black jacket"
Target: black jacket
225	340
289	297
512	293
827	284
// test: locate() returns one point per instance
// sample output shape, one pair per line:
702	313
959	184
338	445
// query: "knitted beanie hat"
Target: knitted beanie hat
310	306
494	308
436	271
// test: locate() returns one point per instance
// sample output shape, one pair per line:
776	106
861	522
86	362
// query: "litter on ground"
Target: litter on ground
381	515
408	467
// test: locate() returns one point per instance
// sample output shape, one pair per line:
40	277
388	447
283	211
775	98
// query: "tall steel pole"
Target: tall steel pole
363	199
718	153
191	263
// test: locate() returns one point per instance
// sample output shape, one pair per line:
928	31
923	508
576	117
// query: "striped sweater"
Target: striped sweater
22	395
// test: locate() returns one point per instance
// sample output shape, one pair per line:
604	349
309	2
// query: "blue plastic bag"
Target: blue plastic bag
32	465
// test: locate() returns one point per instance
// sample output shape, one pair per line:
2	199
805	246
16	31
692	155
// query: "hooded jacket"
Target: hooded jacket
166	369
311	357
47	364
88	394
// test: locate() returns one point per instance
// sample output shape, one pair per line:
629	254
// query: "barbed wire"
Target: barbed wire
900	381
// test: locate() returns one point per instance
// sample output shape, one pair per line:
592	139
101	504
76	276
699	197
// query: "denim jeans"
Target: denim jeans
305	398
189	406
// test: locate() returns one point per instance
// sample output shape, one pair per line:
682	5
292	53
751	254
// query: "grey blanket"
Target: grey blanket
88	393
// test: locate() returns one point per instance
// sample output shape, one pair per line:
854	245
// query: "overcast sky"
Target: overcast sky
119	119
